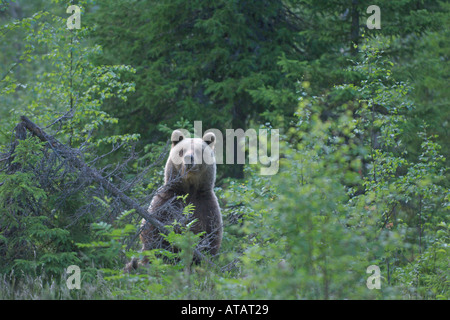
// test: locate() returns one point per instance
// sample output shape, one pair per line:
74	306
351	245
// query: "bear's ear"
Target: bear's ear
177	136
210	139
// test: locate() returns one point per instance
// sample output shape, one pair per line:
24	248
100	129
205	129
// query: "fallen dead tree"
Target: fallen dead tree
74	158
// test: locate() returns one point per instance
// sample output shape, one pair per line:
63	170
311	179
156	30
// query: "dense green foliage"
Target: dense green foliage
363	118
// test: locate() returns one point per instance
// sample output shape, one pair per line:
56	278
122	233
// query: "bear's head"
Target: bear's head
192	159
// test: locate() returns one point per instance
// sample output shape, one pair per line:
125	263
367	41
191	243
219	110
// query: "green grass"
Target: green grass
27	287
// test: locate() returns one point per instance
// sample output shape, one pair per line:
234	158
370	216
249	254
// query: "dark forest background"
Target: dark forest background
363	116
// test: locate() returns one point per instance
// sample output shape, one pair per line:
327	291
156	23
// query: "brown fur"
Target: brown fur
187	172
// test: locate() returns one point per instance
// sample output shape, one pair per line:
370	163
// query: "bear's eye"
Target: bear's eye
180	154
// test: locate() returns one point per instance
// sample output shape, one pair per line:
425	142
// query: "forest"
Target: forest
343	196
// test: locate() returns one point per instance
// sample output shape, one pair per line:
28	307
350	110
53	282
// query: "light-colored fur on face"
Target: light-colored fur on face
190	170
192	160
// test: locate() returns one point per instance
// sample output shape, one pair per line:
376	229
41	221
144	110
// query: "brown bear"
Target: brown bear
190	172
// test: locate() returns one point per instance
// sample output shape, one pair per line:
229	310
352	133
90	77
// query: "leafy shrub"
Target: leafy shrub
346	197
32	238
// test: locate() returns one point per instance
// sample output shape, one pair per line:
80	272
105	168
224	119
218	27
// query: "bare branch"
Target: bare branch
74	158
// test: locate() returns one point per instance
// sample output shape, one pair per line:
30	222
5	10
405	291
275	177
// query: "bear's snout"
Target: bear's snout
191	163
189	160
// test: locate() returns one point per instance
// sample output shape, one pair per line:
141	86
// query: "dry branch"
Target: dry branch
74	157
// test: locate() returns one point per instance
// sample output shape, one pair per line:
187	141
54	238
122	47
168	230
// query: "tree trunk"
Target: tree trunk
354	32
237	122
